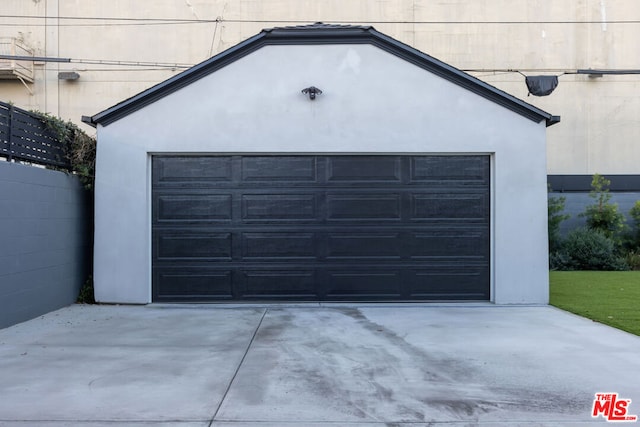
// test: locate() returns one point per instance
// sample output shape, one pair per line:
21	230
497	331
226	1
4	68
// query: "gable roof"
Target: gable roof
320	33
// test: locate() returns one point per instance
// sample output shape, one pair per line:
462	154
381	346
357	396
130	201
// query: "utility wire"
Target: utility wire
124	69
157	66
161	65
95	61
123	21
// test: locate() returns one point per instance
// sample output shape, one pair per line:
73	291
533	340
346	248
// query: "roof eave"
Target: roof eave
463	79
322	34
179	81
553	120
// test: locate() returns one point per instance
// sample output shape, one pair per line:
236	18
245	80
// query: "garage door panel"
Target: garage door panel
279	207
191	171
358	207
269	169
369	169
175	284
354	283
371	245
193	208
321	228
452	243
180	245
269	245
279	283
439	283
450	207
447	170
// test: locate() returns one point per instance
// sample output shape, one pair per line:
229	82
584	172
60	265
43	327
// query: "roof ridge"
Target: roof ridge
319	25
321	33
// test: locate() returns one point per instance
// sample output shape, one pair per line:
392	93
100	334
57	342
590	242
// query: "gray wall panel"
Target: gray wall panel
576	203
46	242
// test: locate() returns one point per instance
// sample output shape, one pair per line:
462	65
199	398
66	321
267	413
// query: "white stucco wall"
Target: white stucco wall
373	102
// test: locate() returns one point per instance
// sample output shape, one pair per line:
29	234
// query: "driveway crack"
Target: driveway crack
224	396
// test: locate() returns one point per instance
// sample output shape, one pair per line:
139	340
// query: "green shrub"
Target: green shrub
559	260
633	260
555	207
603	215
78	147
634	213
589	249
86	295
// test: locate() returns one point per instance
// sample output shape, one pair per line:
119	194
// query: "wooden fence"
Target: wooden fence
24	136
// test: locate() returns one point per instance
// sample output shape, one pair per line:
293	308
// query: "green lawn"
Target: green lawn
609	297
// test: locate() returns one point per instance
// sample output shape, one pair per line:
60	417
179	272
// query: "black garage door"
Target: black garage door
366	228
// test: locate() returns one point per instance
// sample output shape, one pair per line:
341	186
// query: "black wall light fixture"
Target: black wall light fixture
312	91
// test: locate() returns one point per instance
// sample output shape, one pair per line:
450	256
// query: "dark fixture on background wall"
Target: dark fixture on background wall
599	73
541	85
312	91
68	75
544	85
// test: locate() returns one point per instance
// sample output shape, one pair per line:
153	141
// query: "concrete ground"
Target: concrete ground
316	366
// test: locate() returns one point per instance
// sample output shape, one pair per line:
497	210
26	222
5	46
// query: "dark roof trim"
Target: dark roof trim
582	183
320	34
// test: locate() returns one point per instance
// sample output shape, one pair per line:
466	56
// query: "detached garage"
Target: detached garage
321	163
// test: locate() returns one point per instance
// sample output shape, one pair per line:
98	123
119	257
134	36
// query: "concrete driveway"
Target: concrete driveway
403	365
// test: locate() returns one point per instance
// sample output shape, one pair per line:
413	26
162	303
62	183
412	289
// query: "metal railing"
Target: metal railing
15	68
24	136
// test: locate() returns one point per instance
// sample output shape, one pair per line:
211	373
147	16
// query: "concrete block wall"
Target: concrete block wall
45	241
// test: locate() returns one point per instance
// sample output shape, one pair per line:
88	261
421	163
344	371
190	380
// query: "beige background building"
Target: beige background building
121	47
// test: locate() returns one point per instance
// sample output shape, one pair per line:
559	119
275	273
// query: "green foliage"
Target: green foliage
609	297
588	249
78	147
555	216
603	215
559	260
634	213
632	258
86	295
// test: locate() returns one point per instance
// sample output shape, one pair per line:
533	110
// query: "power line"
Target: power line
138	24
588	71
99	18
156	66
96	61
436	22
124	69
124	21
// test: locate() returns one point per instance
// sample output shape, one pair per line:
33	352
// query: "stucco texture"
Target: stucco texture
372	102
